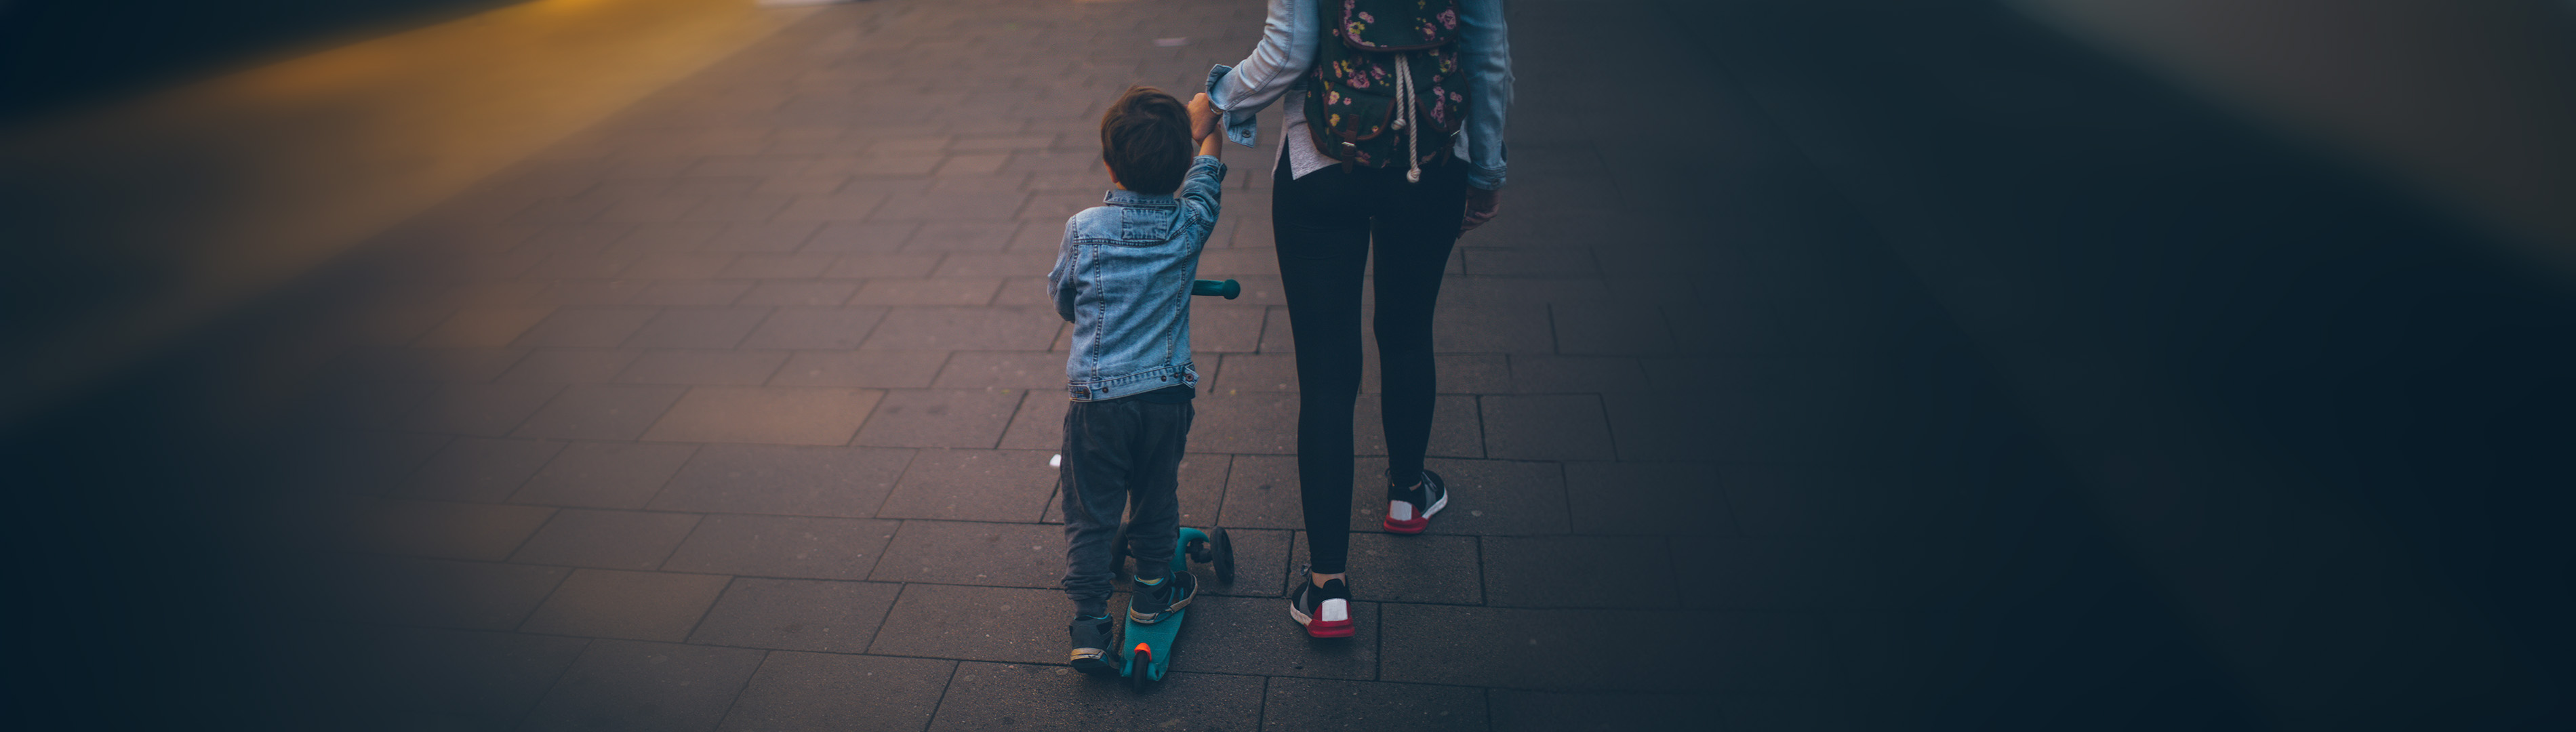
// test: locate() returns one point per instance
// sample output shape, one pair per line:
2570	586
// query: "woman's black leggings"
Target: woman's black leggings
1323	223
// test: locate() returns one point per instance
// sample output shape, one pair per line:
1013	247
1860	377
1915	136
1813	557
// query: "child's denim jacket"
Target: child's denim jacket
1122	277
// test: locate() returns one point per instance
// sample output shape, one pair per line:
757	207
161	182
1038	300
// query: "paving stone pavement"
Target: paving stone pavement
734	413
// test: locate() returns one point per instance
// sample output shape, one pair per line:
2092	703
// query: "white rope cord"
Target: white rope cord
1404	110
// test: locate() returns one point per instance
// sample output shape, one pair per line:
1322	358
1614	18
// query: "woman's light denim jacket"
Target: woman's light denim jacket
1122	277
1295	29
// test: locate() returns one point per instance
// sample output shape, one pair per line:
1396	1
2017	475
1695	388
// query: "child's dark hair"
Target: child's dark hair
1145	137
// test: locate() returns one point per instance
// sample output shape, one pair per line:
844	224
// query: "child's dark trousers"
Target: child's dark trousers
1118	453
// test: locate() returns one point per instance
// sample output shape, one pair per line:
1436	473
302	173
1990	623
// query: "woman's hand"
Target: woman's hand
1202	117
1481	207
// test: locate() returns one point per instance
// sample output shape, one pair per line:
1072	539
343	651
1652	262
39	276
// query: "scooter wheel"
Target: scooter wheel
1222	547
1143	678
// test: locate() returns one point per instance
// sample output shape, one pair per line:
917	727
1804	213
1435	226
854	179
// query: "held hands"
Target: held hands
1202	117
1481	207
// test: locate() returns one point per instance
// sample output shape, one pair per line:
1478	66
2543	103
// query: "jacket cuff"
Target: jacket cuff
1490	179
1241	128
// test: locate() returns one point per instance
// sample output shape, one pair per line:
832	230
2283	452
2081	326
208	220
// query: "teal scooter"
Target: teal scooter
1149	647
1149	654
1228	289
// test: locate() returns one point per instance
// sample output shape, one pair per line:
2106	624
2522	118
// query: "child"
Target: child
1122	277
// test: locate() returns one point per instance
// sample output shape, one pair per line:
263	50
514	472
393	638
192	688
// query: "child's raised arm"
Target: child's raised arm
1203	118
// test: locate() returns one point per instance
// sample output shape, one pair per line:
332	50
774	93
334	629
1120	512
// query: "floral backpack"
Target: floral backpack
1387	89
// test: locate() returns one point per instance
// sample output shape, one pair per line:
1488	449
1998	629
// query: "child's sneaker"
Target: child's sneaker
1326	610
1155	602
1409	510
1094	650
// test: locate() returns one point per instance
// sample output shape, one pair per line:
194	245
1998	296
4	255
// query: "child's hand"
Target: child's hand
1202	117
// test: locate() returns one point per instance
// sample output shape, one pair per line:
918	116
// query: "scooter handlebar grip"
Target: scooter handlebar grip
1228	289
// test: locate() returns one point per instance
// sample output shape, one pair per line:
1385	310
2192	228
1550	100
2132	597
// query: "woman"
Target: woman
1325	213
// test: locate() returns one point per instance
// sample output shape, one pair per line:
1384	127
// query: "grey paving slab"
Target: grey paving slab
836	328
691	292
1392	568
802	481
434	593
792	614
735	368
1649	498
600	412
487	410
588	330
604	475
1533	711
975	485
873	266
1039	425
1021	328
1513	327
783	546
1579	571
629	685
975	553
939	291
589	327
960	235
1025	370
451	679
947	208
569	365
972	264
1247	422
1546	427
636	540
1328	704
1603	650
477	469
1021	696
1255	636
679	266
470	365
429	528
873	369
853	236
1610	328
697	328
818	691
798	293
365	461
766	238
779	266
961	418
1005	624
603	603
1549	374
778	415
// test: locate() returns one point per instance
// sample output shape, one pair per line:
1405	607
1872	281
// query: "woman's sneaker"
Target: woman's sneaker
1409	510
1152	603
1094	650
1325	611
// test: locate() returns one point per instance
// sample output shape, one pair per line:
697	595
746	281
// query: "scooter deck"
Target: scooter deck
1157	639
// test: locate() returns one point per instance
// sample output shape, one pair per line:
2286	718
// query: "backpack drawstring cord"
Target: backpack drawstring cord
1404	110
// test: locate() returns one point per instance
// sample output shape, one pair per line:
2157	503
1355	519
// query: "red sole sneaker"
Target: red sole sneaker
1414	526
1323	629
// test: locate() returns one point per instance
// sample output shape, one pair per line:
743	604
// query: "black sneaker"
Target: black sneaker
1409	510
1153	603
1094	650
1326	610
